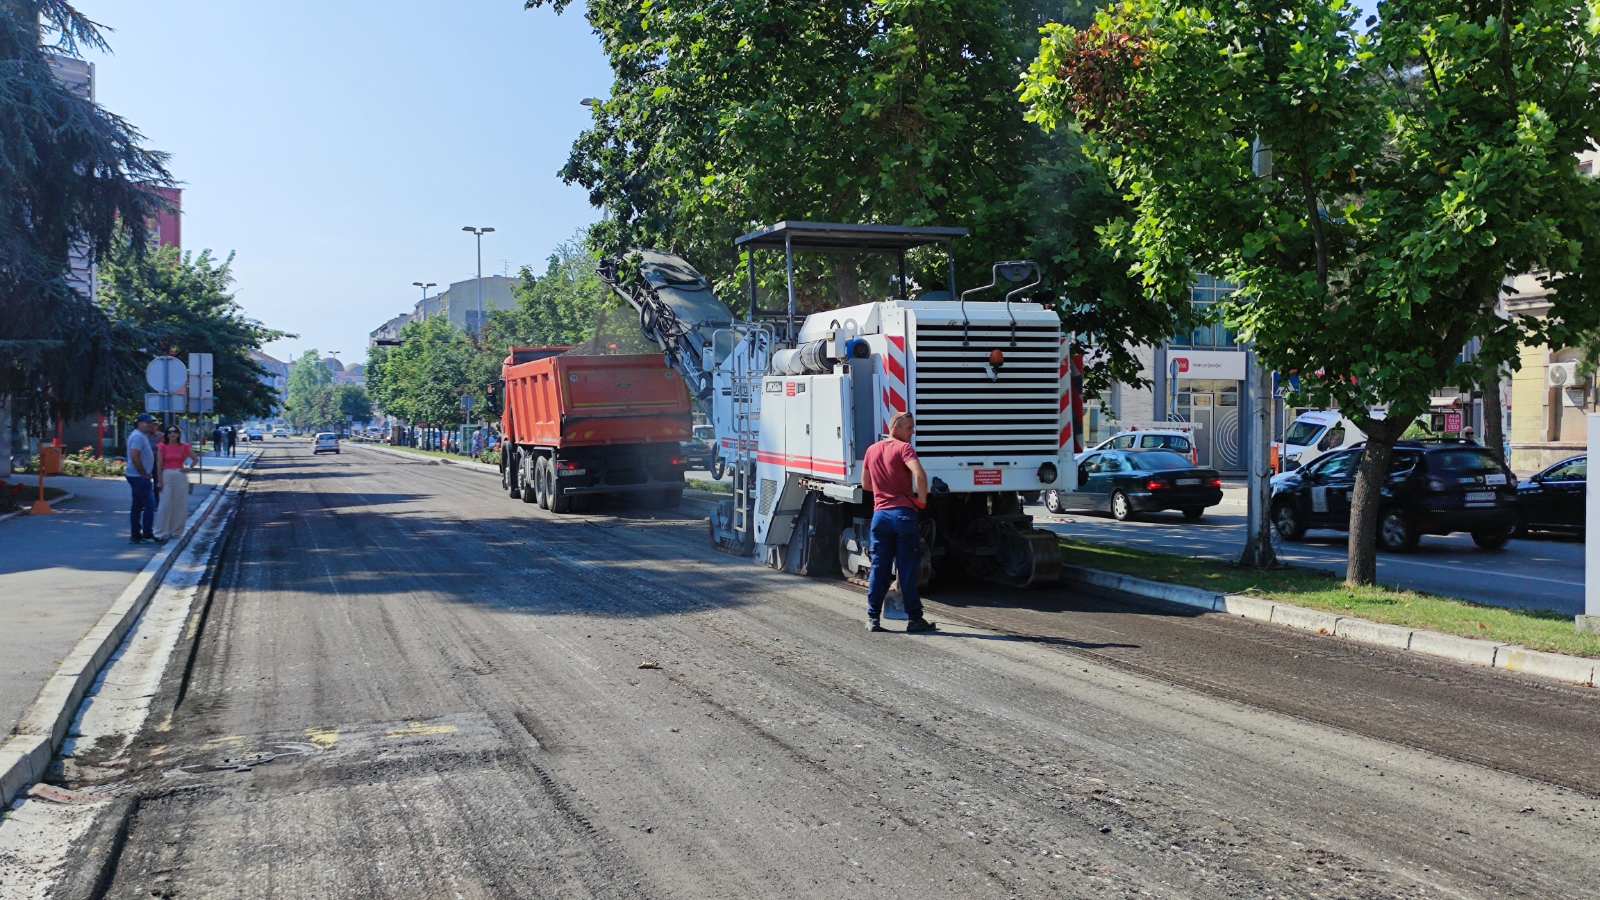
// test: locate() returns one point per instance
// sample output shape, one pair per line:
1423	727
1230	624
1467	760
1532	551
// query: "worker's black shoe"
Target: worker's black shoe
920	626
874	625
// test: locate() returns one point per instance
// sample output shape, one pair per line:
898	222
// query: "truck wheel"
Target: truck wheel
511	476
559	503
719	466
541	470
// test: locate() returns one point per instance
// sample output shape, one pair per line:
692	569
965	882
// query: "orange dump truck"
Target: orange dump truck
575	427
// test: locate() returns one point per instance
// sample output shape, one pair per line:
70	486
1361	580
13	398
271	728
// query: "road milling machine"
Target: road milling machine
796	401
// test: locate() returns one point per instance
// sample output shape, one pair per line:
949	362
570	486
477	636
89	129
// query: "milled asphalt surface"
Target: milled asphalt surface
1540	572
451	683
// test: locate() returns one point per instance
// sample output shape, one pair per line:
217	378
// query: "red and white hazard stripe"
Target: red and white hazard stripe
894	377
1064	375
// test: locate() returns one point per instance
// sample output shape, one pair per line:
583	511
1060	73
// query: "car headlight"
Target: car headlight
1047	473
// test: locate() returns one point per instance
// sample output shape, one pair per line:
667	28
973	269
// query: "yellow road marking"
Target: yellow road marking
323	737
420	729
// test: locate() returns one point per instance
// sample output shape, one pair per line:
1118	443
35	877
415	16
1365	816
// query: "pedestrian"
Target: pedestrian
172	485
140	471
216	439
899	487
229	436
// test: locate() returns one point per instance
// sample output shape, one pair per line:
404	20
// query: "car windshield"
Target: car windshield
1301	434
1159	461
1164	442
704	432
1463	461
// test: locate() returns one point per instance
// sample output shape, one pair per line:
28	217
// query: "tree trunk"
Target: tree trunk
1366	500
1494	427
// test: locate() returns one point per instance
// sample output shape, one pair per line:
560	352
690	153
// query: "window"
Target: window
1112	462
1176	442
1401	463
1122	442
1340	466
1159	461
1090	464
1204	296
1571	470
1302	433
1463	462
1334	438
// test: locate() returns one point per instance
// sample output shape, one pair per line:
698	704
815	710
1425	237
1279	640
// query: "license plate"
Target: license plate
1480	496
1187	482
1493	480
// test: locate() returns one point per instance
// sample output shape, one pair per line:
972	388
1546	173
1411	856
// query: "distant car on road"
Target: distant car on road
1126	483
254	433
326	442
1177	441
697	449
280	432
1554	499
1434	487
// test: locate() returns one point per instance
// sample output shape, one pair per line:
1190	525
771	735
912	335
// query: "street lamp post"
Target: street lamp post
424	294
479	232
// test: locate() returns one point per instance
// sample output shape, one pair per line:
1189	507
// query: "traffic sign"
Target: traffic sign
167	375
201	389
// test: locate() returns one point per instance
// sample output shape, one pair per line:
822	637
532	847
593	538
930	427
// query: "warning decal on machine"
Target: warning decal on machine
986	476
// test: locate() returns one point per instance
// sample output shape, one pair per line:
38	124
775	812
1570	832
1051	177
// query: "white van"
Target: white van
1312	434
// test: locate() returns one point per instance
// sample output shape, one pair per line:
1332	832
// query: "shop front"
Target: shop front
1206	389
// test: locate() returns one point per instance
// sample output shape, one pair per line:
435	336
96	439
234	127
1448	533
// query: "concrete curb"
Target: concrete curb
470	464
26	755
1472	651
53	503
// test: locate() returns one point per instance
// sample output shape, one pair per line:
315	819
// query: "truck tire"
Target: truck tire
541	469
559	503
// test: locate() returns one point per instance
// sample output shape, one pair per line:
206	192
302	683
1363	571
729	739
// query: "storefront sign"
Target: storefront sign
1220	365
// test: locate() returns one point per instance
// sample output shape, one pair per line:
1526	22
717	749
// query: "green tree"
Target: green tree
1415	165
901	111
310	403
69	172
423	380
353	403
179	303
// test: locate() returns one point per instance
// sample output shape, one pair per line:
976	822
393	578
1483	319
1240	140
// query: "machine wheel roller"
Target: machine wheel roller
1028	557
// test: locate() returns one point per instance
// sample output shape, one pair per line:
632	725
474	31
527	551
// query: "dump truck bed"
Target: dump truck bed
594	401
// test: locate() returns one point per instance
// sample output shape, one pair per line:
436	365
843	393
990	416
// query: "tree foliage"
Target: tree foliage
310	399
1417	164
69	172
725	117
172	302
423	380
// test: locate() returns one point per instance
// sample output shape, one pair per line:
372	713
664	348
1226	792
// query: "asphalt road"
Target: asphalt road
1541	572
408	685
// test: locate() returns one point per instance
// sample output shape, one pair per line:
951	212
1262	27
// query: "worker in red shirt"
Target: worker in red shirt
899	487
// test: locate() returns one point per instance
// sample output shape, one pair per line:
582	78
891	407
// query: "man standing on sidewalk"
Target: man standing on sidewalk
899	486
229	436
140	472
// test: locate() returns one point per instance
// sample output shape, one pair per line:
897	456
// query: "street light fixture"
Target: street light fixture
424	294
479	232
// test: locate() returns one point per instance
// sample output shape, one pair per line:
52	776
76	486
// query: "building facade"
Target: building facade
276	378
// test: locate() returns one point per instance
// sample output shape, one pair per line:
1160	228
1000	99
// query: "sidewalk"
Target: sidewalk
59	574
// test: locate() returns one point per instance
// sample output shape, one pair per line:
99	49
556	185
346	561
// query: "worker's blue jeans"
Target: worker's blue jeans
895	542
142	517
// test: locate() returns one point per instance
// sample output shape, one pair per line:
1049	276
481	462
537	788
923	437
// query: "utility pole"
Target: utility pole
479	232
1258	549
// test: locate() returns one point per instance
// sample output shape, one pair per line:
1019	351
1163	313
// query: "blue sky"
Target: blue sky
339	147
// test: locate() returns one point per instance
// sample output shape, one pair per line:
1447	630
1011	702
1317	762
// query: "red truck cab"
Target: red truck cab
575	427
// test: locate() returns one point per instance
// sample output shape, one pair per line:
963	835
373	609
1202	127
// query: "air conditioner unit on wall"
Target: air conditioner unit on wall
1561	375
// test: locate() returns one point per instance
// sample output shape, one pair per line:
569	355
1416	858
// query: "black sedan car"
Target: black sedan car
1434	487
1554	499
1126	483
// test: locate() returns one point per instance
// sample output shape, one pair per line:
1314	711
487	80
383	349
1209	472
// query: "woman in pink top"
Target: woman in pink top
173	485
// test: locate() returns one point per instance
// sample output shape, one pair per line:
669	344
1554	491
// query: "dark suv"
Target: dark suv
1434	487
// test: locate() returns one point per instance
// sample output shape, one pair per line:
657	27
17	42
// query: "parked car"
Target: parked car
1434	487
326	442
1554	500
1126	483
1177	441
697	449
1313	434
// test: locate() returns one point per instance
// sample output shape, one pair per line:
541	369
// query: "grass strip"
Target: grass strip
1537	630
